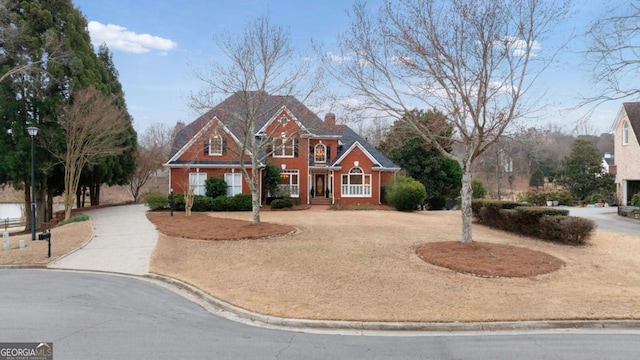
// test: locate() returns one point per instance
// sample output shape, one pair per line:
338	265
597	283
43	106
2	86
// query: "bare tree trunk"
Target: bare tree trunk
95	193
188	201
255	208
466	196
79	198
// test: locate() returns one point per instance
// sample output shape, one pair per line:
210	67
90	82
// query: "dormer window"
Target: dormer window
216	145
320	153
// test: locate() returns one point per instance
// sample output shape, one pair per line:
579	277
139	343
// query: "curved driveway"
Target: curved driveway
98	316
607	218
123	240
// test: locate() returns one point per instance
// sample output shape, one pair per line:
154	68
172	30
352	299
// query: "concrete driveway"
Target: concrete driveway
606	218
123	240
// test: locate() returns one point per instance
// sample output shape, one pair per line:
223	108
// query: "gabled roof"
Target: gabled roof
270	106
633	113
233	107
632	109
351	138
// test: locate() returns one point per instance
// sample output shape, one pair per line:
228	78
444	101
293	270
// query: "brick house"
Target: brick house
626	131
321	162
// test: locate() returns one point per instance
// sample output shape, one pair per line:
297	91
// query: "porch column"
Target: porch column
332	181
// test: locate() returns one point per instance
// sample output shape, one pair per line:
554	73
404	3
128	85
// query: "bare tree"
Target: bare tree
613	54
92	125
148	162
473	60
259	62
157	136
151	154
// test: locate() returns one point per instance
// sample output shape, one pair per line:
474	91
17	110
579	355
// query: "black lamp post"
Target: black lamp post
33	131
171	201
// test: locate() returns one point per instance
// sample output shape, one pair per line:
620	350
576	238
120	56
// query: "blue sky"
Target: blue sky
157	46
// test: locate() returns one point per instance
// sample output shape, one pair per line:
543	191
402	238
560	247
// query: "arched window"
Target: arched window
625	133
216	145
320	153
356	183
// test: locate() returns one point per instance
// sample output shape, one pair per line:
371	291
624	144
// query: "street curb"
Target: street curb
258	319
20	266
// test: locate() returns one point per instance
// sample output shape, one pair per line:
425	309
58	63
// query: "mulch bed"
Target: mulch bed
202	226
488	259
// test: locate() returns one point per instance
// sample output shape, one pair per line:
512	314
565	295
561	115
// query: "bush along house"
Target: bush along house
320	162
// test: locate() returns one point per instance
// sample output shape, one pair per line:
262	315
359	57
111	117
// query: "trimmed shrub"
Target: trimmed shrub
281	203
76	218
568	229
240	202
547	223
214	187
538	212
178	201
201	203
635	200
156	201
406	193
221	203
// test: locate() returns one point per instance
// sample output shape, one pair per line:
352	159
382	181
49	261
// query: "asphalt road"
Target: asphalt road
607	218
100	316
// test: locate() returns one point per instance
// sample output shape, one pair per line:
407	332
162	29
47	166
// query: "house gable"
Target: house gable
196	150
351	139
282	121
361	154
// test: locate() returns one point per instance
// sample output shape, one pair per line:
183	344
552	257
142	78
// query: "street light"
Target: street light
33	131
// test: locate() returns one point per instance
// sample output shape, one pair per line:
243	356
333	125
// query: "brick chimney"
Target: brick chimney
330	119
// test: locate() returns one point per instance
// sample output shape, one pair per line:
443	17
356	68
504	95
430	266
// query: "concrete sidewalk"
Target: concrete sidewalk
123	240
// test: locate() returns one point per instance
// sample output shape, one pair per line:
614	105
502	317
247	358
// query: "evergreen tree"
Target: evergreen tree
440	176
32	98
581	171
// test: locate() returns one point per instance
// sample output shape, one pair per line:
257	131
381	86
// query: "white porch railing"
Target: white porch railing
356	190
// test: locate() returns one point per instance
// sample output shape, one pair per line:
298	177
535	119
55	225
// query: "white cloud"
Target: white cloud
519	46
337	58
119	38
403	60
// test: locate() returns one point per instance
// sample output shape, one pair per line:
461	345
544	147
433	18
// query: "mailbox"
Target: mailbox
46	236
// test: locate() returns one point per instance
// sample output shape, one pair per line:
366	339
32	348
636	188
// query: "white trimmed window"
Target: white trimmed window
320	153
356	183
196	182
283	147
289	183
216	145
625	133
234	183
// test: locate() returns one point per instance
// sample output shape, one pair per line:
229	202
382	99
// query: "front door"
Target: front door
319	185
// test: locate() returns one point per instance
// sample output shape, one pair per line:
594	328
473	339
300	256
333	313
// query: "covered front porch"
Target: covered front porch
321	187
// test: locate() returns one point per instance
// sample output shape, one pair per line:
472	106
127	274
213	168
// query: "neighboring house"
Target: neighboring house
609	164
626	131
321	162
